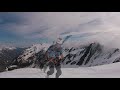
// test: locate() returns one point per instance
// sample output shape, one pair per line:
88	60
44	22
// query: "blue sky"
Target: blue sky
27	28
9	22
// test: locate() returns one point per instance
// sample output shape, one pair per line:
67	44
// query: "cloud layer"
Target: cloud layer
46	26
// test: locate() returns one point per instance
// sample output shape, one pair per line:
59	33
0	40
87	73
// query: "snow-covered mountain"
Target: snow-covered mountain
88	55
7	48
91	55
30	55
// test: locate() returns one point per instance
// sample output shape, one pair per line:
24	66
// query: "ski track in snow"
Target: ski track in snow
103	71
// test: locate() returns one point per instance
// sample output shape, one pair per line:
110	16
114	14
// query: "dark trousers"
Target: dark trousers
57	67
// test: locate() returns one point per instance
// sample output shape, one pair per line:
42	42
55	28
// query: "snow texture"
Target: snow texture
103	71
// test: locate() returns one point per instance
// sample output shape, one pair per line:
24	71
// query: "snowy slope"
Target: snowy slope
103	71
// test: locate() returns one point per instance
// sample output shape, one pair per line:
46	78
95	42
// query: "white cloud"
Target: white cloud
102	26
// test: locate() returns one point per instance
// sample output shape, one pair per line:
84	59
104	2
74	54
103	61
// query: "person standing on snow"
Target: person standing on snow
54	56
